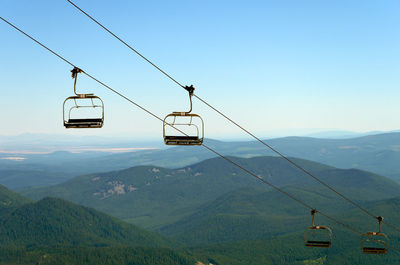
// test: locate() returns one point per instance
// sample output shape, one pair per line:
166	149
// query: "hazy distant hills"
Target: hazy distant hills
36	143
16	178
154	196
376	153
340	134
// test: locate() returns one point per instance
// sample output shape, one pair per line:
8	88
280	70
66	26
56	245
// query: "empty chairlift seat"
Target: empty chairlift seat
375	242
317	235
183	128
83	123
83	110
188	129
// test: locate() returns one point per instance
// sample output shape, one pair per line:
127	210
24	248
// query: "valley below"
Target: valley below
184	206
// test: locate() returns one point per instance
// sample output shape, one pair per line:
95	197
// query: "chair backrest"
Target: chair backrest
374	243
318	236
79	115
188	129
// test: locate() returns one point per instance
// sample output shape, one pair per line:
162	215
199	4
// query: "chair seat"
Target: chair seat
84	120
373	250
181	137
321	244
84	123
182	140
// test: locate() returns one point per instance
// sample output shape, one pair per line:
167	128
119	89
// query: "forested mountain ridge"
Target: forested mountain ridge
154	196
10	200
53	221
247	226
219	209
252	226
115	255
55	231
250	214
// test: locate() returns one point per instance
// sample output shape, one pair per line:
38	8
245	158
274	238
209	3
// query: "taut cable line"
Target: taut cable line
238	125
205	146
126	44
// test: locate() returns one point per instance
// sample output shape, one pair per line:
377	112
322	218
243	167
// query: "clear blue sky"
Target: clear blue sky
271	65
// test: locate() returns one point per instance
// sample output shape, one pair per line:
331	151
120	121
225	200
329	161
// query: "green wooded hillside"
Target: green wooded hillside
154	196
244	228
10	200
251	214
66	255
54	221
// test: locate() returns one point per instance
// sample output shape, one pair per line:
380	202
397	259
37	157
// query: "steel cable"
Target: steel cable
205	146
236	124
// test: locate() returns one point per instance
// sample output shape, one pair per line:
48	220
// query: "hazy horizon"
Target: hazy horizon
31	144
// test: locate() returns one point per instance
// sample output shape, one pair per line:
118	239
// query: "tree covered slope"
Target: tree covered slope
154	196
10	200
52	221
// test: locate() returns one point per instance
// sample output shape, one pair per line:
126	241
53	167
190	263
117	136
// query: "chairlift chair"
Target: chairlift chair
375	242
74	107
317	235
190	126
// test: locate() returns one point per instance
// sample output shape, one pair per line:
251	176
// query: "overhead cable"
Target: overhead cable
205	146
238	125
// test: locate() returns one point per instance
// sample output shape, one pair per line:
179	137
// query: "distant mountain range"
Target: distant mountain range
376	153
46	143
337	134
